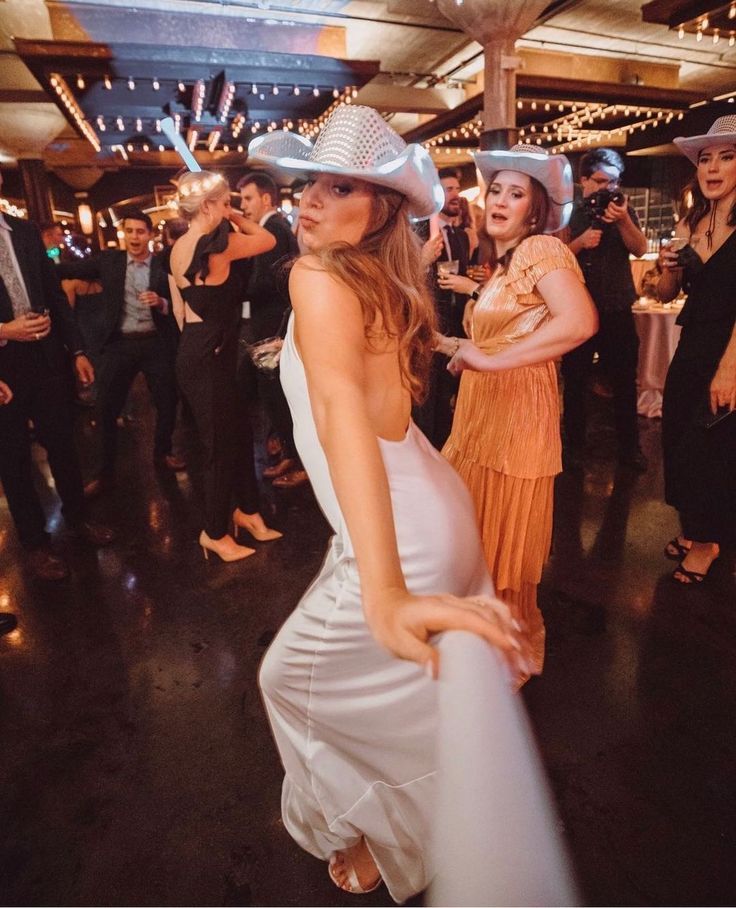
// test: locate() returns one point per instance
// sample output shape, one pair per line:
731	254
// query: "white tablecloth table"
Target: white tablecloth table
658	337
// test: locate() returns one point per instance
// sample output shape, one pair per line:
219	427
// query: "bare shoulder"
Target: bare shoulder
314	289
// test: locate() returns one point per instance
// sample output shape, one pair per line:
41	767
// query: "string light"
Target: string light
681	32
156	85
106	82
131	84
74	110
198	99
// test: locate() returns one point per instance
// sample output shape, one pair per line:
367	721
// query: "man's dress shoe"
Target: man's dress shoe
8	623
170	462
46	565
96	487
94	533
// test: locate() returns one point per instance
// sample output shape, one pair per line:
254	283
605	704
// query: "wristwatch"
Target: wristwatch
476	293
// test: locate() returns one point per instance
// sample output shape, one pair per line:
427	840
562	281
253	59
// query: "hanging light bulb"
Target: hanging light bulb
716	36
315	91
131	84
705	22
80	81
732	11
699	35
681	32
156	84
107	83
732	40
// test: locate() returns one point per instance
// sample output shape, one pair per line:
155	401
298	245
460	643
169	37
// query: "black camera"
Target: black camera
597	202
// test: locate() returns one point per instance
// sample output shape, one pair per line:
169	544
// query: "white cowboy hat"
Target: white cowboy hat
722	132
552	171
357	142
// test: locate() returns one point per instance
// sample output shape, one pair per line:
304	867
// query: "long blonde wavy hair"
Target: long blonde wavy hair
384	271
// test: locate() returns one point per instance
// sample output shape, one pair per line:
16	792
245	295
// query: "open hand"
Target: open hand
723	388
84	370
405	623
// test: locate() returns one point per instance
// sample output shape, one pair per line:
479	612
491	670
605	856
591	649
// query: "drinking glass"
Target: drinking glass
266	353
451	267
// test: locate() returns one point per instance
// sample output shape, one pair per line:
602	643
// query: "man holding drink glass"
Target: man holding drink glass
37	333
139	334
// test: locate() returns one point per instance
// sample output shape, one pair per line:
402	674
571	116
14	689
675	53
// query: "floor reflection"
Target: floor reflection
138	767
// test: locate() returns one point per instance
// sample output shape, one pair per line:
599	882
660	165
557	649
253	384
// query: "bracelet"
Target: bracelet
455	346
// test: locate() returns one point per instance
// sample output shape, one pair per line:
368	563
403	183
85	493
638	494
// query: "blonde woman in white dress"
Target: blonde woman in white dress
348	682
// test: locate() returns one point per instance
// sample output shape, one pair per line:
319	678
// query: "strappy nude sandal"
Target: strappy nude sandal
353	885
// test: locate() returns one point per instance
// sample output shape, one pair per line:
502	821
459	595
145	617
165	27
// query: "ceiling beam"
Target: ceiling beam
555	89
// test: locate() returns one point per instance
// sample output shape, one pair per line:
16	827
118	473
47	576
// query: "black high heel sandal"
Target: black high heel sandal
675	550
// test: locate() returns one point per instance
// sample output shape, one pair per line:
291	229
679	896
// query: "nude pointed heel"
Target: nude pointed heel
225	550
243	521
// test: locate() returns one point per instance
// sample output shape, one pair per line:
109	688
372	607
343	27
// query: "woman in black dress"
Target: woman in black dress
698	418
207	304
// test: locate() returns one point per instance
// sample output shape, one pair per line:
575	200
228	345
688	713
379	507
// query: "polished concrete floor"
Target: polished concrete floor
137	766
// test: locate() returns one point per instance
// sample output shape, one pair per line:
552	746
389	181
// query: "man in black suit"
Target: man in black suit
267	293
37	334
434	416
138	334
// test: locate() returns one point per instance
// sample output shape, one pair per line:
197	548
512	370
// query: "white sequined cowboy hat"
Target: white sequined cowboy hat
722	132
552	171
357	142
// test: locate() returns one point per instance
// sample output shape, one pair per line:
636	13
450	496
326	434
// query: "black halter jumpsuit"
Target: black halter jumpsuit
206	367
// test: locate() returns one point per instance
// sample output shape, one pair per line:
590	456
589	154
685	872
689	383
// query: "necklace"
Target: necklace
711	225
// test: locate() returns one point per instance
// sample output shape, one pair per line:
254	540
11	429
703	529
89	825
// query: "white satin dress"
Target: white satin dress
355	726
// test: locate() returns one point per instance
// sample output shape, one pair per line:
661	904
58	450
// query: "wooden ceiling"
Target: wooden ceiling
591	71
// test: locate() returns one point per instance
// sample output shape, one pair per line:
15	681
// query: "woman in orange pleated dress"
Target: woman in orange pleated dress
505	439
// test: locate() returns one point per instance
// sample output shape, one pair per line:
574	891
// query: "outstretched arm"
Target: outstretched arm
331	339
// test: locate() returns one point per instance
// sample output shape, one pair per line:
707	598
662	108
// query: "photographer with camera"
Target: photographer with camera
604	229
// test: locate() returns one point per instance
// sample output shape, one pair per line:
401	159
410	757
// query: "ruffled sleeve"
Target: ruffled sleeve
536	256
207	245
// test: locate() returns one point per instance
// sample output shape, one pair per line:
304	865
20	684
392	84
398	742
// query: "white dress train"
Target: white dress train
356	727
